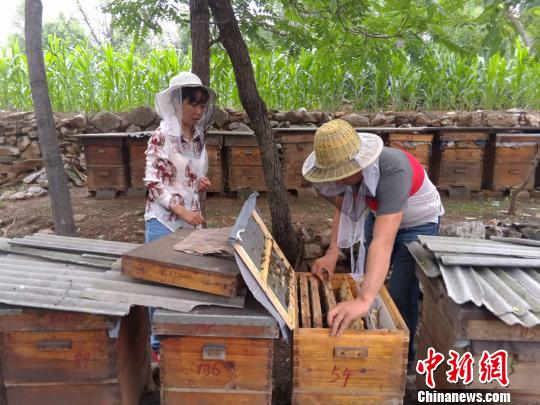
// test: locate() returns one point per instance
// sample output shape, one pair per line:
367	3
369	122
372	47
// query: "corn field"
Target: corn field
87	78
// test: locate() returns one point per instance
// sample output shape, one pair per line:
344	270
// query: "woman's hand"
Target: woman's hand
191	217
326	262
204	184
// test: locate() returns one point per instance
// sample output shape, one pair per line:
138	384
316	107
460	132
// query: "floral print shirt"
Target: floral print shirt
174	166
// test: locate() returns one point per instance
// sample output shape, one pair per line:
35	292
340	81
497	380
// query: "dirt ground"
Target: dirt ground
121	219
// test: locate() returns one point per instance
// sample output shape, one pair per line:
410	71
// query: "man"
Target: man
358	174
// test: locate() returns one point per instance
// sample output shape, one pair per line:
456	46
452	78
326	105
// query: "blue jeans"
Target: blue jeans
404	286
154	230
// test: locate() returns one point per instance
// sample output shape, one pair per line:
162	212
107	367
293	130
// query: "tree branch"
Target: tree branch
87	21
512	207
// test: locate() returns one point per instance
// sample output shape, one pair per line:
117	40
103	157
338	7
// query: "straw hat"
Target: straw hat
339	152
163	100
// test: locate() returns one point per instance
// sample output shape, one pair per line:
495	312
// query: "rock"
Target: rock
273	123
511	233
494	231
105	121
9	151
141	116
221	118
23	142
326	238
295	117
378	120
31	177
138	213
79	217
420	120
133	128
312	251
356	120
465	120
239	126
36	191
531	232
307	235
280	116
46	231
311	117
73	148
499	119
401	119
79	122
32	152
20	195
22	166
531	120
7	194
477	119
43	183
468	229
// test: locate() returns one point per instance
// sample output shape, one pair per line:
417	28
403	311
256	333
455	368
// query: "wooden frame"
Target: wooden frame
261	275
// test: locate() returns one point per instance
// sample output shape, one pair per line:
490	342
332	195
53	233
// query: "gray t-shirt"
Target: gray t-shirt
395	181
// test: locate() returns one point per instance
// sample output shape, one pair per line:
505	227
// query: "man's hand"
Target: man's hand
204	184
326	262
344	313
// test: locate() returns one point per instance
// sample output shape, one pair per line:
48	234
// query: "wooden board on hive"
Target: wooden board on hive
158	261
270	268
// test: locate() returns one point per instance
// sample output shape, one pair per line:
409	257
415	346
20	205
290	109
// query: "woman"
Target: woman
176	158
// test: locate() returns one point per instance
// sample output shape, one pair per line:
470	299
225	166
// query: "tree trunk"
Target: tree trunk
518	26
232	40
200	53
58	180
200	39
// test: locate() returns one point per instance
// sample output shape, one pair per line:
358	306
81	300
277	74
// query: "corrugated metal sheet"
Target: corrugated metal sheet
481	271
66	281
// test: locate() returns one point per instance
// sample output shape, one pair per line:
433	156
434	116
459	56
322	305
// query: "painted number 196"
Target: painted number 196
207	369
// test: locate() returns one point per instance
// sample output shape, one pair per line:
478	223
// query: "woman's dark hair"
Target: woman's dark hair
195	95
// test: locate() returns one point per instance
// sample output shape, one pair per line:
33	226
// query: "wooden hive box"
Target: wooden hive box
244	162
418	145
468	328
368	364
462	159
513	156
215	355
106	163
137	161
61	357
296	148
214	147
157	261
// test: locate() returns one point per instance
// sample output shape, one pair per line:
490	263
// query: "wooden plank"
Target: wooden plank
320	398
194	396
104	177
345	294
158	261
304	301
260	332
316	312
88	393
266	259
329	300
245	364
246	177
464	136
317	368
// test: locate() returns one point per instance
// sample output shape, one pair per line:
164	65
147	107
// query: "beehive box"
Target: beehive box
61	357
137	161
215	355
467	328
366	363
462	160
244	162
214	147
514	154
106	163
296	148
418	145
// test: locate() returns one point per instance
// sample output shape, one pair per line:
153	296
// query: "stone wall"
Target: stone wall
20	154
